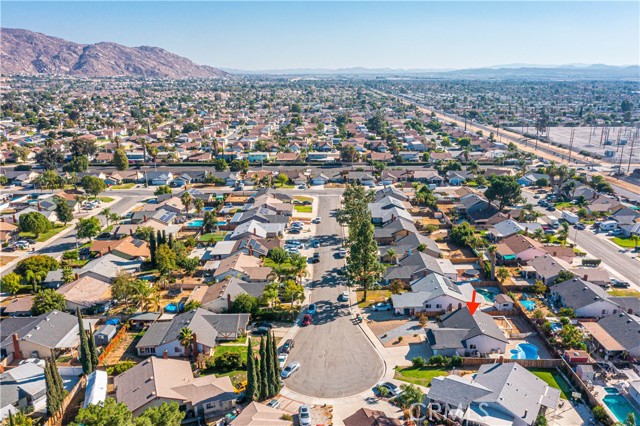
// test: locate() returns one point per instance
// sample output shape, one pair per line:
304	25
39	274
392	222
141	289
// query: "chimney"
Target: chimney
228	301
39	208
131	232
16	347
145	218
585	276
14	219
109	248
77	276
254	230
555	253
165	354
250	251
195	345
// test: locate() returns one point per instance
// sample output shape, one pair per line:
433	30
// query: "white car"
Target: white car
282	359
317	220
342	252
382	306
290	369
304	415
36	361
344	296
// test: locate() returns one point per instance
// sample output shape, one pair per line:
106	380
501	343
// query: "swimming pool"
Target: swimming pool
222	222
612	391
529	305
525	351
208	209
196	223
556	326
488	294
620	408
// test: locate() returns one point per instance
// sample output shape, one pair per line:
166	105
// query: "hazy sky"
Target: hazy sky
304	34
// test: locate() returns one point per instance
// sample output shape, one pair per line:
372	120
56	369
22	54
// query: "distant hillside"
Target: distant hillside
27	52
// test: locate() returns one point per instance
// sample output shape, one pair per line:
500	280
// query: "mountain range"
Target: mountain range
28	52
32	53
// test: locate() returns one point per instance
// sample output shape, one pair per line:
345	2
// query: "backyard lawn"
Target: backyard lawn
553	379
242	350
213	236
563	205
373	296
105	199
619	292
419	376
46	235
625	242
304	209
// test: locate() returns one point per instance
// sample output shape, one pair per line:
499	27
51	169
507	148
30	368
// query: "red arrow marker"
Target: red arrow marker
473	305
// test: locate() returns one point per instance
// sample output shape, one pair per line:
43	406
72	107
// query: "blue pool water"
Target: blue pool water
612	391
525	351
222	222
208	209
620	408
556	326
195	223
530	305
488	294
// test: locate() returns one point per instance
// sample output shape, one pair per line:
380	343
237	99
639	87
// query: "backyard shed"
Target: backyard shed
104	334
585	372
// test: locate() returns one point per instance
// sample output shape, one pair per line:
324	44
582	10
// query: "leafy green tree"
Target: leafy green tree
251	392
239	166
245	303
50	180
275	369
38	263
504	189
165	259
77	165
363	265
46	301
210	221
108	413
145	233
92	185
162	189
34	222
189	264
10	283
220	165
198	205
410	395
49	158
83	147
93	350
88	228
20	419
270	293
64	211
120	160
165	414
462	234
67	274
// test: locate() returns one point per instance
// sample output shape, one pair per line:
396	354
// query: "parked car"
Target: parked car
342	252
290	369
315	258
288	345
393	389
304	415
382	306
274	403
317	220
311	310
307	320
579	226
294	230
619	284
263	324
104	236
551	209
260	331
282	360
344	296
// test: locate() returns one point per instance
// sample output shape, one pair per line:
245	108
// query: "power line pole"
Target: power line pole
573	132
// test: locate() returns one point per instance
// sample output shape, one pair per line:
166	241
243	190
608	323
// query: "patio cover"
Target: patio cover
600	334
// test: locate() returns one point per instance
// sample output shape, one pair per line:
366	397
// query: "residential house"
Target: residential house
418	265
106	267
23	388
498	394
547	268
587	300
126	248
367	417
616	334
248	268
87	293
219	296
155	381
208	327
257	414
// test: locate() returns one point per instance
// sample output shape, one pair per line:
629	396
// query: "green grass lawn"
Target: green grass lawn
303	198
75	263
624	242
123	186
45	236
242	350
304	209
619	292
236	376
563	205
553	379
419	376
105	199
213	236
239	341
373	296
285	186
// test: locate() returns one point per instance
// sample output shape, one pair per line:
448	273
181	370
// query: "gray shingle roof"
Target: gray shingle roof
577	293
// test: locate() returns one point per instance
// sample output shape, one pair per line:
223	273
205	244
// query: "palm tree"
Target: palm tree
298	265
107	214
392	255
382	391
199	205
186	199
538	234
491	250
186	337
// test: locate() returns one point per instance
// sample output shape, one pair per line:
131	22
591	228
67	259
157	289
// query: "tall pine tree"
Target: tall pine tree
164	236
270	384
159	238
264	372
54	394
152	248
11	422
251	391
93	351
171	240
85	354
276	366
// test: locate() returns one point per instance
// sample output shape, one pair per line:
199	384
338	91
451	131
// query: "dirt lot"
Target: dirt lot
382	324
4	259
126	349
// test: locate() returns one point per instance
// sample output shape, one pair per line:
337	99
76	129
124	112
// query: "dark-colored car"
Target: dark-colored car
260	331
307	320
104	236
315	258
263	324
288	345
619	284
551	209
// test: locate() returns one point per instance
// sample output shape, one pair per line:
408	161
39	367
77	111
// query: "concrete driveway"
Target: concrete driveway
336	358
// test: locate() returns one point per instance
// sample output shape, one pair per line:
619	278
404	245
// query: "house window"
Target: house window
177	349
208	406
428	306
438	306
604	312
472	347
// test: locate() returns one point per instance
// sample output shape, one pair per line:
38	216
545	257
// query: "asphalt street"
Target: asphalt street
593	244
336	358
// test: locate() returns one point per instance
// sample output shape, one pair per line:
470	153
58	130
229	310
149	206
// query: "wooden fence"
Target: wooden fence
112	344
458	260
527	363
57	420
